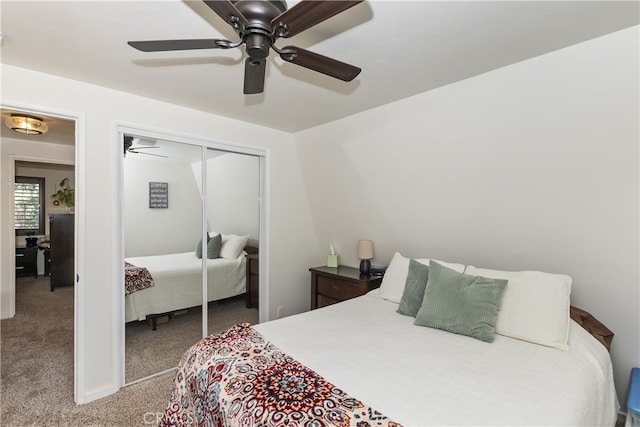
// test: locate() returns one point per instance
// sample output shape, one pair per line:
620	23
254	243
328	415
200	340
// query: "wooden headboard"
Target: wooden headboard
593	326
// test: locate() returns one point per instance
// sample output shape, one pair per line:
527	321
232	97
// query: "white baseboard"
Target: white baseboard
90	397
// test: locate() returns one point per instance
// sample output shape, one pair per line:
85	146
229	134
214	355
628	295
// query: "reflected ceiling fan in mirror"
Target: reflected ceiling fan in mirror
259	23
130	148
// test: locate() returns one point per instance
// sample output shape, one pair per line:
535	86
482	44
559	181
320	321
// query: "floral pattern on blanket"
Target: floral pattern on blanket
136	278
238	378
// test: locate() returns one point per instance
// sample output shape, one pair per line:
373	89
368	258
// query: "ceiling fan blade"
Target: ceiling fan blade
165	45
308	13
254	70
320	63
148	154
227	11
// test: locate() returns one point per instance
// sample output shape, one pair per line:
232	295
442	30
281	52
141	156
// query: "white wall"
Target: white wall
288	210
233	192
532	166
158	231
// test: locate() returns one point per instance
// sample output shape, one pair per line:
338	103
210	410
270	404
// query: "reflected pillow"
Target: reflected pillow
414	288
232	245
213	246
199	247
461	303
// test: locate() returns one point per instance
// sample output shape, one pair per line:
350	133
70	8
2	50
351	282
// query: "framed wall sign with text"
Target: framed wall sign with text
158	195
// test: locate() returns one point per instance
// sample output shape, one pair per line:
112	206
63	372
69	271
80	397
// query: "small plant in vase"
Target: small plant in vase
65	196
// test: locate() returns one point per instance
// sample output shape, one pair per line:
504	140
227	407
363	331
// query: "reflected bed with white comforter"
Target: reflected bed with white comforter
178	283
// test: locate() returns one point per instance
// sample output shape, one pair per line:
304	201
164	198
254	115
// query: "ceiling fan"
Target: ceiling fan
259	23
130	148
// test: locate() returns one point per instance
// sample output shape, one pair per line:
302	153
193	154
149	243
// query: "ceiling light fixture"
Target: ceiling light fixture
29	125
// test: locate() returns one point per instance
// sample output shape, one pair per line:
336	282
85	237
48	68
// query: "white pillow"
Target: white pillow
395	277
535	306
232	245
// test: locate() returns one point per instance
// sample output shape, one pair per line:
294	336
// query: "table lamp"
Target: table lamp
365	254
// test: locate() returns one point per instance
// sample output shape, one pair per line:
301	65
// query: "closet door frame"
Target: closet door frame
264	255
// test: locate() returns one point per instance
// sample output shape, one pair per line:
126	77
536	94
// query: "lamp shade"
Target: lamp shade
365	249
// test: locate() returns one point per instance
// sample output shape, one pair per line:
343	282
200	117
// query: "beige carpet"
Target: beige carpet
36	375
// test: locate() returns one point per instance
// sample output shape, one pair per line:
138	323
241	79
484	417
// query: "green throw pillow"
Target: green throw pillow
199	247
460	303
213	246
413	293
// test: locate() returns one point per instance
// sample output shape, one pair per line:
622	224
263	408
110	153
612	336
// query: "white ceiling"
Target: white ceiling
403	47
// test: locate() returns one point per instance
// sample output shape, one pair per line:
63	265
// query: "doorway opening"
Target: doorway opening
32	306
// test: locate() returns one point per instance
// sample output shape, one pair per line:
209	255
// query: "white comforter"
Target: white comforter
420	376
178	283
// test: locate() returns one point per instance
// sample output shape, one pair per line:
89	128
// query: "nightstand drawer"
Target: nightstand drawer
324	301
338	289
330	285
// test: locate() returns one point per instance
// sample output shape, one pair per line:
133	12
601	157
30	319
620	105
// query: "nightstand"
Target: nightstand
330	285
26	261
253	281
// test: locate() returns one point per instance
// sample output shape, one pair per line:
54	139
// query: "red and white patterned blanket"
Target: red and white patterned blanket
238	378
136	278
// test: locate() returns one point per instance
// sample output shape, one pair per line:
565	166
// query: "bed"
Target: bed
362	363
176	281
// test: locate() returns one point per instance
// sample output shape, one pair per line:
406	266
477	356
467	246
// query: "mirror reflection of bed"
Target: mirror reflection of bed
165	258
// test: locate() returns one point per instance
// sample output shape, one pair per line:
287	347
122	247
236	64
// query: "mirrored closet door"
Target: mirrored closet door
163	264
232	214
191	237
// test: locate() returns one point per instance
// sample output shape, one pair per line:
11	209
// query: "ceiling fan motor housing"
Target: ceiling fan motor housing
259	14
257	45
